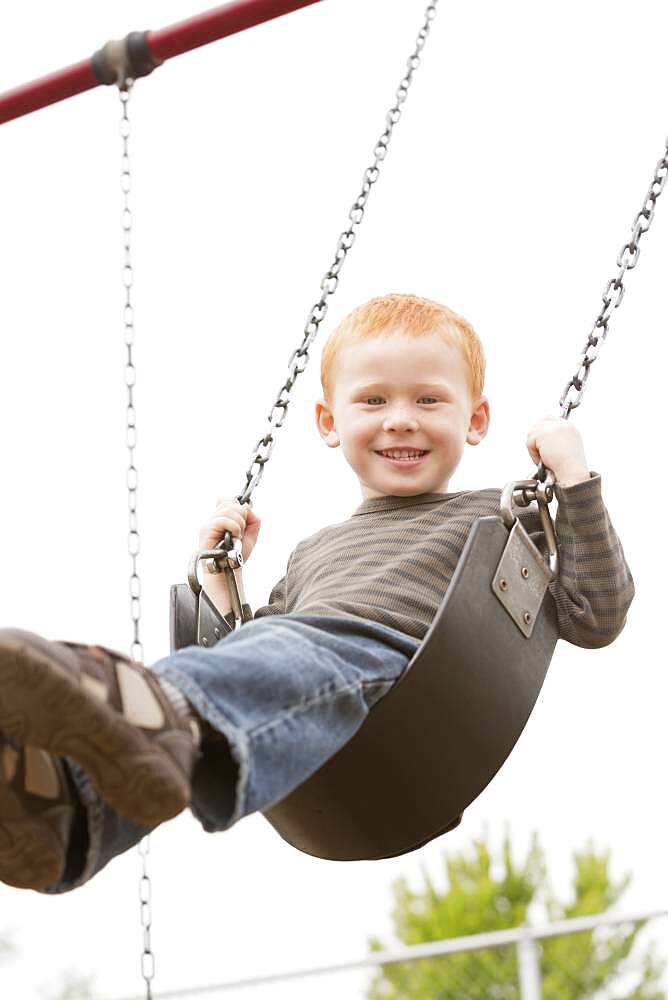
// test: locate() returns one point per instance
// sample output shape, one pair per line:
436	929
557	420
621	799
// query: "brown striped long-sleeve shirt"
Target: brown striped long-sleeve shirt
393	559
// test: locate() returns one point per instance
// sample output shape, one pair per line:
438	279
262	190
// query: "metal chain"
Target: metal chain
330	280
614	290
147	957
137	653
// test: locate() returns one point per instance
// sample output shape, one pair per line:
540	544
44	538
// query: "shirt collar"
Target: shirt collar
389	502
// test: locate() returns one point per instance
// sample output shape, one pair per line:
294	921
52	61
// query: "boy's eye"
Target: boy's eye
370	399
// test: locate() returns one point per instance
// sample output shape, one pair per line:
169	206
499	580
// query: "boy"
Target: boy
96	750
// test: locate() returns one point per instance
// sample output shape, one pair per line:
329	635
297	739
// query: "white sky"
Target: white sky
525	150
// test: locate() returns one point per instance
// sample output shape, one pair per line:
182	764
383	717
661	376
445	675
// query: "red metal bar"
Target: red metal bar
47	90
164	43
217	23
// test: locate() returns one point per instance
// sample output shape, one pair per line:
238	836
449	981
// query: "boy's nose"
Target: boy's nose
400	420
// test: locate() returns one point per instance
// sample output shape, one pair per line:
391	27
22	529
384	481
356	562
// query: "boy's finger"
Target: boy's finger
224	525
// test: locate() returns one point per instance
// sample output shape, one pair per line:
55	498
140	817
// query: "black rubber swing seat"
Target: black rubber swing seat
434	742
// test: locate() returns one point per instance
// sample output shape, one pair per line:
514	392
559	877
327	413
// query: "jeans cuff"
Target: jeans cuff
236	738
94	809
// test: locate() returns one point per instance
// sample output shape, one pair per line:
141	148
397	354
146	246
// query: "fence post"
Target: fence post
528	958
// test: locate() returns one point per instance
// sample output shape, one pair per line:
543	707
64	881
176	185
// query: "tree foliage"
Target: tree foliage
486	894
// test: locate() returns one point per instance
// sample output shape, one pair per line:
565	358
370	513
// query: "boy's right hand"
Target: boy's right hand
231	516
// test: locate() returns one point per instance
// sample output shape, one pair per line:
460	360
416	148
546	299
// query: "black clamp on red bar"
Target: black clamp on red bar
124	59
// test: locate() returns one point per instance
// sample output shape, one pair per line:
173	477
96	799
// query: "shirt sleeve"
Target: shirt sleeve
594	587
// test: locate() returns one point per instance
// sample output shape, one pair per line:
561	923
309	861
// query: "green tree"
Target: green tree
483	894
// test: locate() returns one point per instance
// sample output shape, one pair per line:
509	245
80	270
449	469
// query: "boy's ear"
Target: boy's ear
479	423
324	418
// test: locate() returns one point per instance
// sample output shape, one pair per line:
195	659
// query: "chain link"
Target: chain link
614	290
329	283
137	653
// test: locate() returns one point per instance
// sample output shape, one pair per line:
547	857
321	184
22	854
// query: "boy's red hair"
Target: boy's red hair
417	317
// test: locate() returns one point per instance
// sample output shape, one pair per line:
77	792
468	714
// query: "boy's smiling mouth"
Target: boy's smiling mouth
403	456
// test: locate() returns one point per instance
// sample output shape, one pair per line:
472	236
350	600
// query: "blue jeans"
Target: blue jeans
284	692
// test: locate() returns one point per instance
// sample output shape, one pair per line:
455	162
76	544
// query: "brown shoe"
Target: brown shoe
36	815
107	713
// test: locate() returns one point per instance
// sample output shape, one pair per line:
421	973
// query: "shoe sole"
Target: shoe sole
42	704
31	855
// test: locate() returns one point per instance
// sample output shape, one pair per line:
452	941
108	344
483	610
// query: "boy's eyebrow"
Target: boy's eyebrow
366	386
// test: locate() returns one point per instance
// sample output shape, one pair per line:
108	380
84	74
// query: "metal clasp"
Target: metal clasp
225	560
524	492
523	575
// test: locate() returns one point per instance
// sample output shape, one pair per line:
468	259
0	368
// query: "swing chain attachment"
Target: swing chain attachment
525	570
330	280
225	561
523	493
124	60
614	290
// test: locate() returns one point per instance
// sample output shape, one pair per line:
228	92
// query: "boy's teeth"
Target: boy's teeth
402	454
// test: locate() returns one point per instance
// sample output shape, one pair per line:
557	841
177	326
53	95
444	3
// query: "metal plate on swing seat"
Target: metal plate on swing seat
521	579
193	617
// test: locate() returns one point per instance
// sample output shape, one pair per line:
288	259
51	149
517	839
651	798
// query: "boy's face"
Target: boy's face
408	393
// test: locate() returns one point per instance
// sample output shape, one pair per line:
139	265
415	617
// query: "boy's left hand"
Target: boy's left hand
557	444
